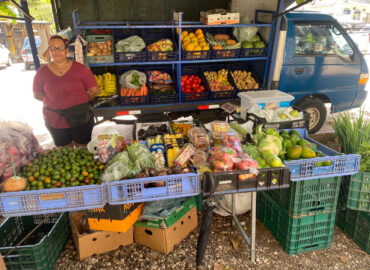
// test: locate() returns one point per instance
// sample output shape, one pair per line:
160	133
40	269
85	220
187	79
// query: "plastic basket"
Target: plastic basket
357	225
120	34
41	250
164	98
304	169
214	95
296	235
99	59
132	100
309	197
193	55
291	124
359	192
194	97
154	35
142	190
254	52
226	53
54	200
244	181
244	67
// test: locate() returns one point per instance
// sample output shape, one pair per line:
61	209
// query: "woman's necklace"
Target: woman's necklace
61	70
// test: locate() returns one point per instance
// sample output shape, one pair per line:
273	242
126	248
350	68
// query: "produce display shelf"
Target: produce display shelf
295	235
41	250
359	192
54	200
153	188
309	197
357	225
304	169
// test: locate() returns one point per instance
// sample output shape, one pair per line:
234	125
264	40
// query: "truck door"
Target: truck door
320	61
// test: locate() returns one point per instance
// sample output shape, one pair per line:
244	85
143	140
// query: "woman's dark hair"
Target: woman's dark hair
65	41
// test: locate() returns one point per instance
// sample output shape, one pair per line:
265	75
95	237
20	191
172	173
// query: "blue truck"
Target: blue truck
309	55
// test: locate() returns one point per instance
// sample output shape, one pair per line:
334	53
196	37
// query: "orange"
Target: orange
205	48
198	31
184	44
191	35
184	33
194	39
189	47
198	48
200	35
186	39
202	43
201	40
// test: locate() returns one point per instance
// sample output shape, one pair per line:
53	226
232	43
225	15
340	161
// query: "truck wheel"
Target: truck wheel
27	66
317	110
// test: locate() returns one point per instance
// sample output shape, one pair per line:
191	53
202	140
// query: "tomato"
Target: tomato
187	89
202	88
194	85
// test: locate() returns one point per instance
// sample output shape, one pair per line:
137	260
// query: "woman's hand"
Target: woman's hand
92	92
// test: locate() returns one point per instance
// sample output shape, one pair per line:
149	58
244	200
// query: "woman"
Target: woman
60	85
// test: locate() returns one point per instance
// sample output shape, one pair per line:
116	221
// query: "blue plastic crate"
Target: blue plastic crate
164	98
142	189
244	67
303	169
120	34
194	97
132	100
254	52
218	94
54	200
154	35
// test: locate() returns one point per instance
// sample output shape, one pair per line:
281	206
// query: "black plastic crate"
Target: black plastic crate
222	181
299	123
194	55
194	97
163	98
268	178
226	53
120	34
218	94
154	35
132	100
247	68
254	52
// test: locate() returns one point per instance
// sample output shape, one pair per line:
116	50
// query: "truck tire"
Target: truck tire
317	110
27	66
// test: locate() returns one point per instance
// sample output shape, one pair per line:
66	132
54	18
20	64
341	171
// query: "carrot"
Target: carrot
129	92
141	92
145	90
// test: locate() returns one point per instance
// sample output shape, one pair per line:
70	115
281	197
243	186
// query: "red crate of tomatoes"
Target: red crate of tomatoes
192	85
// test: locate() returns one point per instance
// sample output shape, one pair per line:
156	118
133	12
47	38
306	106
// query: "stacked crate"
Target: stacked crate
353	212
301	218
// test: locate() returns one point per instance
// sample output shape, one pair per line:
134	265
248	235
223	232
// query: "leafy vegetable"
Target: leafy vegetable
351	132
365	157
140	155
136	80
272	143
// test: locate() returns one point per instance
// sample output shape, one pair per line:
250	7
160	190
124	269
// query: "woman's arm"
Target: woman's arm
92	92
38	95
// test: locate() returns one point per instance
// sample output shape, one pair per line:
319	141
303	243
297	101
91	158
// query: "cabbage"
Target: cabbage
272	143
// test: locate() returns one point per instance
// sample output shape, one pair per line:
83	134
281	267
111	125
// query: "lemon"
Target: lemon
200	35
184	33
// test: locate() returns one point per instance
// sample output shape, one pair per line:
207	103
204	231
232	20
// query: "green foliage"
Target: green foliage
40	10
365	157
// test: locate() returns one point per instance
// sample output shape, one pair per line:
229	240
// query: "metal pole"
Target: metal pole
233	208
31	37
253	233
55	14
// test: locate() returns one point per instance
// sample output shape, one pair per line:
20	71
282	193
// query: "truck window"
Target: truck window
321	39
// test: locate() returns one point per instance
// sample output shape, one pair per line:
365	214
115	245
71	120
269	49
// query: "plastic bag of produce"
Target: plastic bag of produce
140	155
109	145
161	208
132	79
119	167
245	33
16	139
199	138
222	159
163	45
130	44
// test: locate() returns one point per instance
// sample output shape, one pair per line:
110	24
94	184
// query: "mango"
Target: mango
294	152
308	153
294	132
287	144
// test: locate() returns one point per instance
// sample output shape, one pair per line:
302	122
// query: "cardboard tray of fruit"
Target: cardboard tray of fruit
325	162
291	124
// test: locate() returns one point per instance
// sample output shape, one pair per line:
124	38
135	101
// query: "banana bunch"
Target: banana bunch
107	84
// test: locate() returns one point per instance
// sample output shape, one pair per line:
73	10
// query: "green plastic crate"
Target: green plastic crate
309	197
199	200
296	235
359	192
355	224
99	59
42	249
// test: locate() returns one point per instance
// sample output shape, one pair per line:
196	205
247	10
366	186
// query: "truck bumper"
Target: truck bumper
359	99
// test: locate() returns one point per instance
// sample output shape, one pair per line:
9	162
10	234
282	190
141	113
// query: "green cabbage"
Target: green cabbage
272	143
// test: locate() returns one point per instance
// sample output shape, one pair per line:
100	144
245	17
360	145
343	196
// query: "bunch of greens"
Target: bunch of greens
365	157
352	133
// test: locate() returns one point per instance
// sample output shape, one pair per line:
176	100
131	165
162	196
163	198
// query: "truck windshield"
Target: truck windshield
321	39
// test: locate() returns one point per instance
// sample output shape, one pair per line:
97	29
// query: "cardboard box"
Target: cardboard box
171	219
2	263
219	16
114	218
97	242
164	240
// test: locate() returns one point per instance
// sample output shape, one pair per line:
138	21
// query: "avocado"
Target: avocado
304	144
294	139
283	133
287	144
308	153
294	152
293	131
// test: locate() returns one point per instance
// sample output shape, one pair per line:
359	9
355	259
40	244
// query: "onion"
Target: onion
12	184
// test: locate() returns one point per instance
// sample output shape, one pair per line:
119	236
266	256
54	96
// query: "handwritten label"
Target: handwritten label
56	196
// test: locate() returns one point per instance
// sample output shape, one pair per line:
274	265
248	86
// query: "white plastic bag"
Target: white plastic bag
126	79
242	204
245	33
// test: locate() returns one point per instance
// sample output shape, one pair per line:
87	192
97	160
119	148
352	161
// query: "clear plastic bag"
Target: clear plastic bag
127	78
245	33
119	167
109	145
16	139
161	208
130	44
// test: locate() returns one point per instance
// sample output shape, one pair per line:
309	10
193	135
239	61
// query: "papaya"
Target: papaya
308	153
